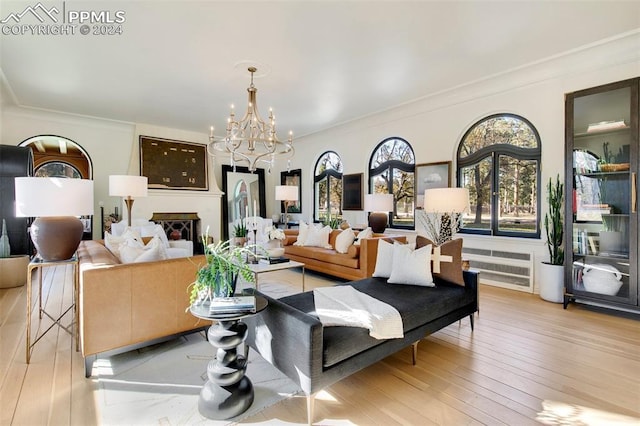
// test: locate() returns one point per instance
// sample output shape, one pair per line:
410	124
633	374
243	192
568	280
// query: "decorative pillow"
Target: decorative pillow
153	230
344	240
318	237
384	259
365	233
411	266
303	229
113	243
449	271
131	252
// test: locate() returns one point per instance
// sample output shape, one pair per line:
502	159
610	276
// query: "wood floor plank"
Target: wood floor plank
523	351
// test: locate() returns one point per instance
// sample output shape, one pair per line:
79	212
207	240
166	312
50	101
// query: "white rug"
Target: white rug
160	384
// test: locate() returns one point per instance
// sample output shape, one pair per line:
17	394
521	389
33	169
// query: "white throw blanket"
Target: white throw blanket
344	305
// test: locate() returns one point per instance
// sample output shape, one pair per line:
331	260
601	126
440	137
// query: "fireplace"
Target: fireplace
186	224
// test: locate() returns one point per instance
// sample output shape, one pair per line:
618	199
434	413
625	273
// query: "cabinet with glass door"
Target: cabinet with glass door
601	226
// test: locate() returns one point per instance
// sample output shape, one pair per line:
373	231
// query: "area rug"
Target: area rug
160	384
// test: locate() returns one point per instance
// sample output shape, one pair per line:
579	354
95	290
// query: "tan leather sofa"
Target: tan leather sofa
125	306
359	262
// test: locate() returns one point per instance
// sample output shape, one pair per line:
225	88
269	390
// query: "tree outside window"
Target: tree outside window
392	171
499	162
327	186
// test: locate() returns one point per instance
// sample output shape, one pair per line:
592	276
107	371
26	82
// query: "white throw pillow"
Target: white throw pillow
155	230
344	240
384	259
365	233
113	243
318	237
411	266
131	252
303	229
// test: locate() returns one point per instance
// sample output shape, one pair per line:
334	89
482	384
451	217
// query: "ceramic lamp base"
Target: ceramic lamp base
378	221
56	238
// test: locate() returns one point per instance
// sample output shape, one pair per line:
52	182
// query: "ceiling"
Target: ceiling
180	64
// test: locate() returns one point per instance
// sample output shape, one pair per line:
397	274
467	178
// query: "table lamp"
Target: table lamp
446	206
127	186
288	194
55	203
379	206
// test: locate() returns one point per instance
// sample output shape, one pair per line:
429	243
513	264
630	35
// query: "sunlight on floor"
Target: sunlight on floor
560	413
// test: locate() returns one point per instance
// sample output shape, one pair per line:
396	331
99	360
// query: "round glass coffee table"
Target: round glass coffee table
228	392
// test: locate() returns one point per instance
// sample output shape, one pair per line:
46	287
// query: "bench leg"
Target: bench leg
88	365
471	318
414	352
311	399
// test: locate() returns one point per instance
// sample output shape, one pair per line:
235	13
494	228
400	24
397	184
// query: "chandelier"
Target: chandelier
251	140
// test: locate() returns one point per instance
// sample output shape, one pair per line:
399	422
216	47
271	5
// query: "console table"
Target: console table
228	392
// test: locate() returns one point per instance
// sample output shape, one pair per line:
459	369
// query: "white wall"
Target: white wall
435	125
113	148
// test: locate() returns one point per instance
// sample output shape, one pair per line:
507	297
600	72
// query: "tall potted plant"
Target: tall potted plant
218	277
552	272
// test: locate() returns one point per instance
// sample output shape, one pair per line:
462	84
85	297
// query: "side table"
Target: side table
228	392
39	264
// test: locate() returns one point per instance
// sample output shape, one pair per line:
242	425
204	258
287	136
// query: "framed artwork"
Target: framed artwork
171	164
431	175
292	178
352	192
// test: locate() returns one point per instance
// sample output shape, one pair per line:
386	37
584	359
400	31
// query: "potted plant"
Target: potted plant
240	233
274	245
218	277
552	272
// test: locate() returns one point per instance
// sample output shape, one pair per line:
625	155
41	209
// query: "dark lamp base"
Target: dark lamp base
56	238
378	221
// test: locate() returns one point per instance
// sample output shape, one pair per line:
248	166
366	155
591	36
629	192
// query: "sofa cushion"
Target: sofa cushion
417	305
131	252
324	255
318	237
449	271
365	233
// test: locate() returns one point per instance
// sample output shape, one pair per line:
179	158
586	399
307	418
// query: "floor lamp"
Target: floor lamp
55	203
379	206
288	194
127	186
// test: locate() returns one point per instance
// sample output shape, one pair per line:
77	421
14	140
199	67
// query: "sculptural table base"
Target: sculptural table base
228	392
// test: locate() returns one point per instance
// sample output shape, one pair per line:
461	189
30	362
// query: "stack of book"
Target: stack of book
273	260
233	305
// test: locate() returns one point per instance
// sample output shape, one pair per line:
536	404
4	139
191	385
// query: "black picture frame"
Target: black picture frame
173	164
292	177
352	191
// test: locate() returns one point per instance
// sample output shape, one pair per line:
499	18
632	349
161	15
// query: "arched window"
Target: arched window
499	161
391	171
327	186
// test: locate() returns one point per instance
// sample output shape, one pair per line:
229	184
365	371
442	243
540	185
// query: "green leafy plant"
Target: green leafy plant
218	277
553	221
240	230
332	221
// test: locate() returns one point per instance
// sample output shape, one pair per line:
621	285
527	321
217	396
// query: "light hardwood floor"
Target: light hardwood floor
523	351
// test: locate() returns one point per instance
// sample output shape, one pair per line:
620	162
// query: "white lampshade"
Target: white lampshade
446	200
378	202
51	197
286	193
128	186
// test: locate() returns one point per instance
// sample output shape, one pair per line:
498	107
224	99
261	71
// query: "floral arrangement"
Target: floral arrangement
276	234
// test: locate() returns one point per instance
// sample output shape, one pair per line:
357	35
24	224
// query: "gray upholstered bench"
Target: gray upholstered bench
290	336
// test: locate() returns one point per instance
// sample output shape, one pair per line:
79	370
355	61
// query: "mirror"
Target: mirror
292	178
244	195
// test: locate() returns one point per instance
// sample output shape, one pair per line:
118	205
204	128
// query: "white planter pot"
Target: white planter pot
13	271
551	282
